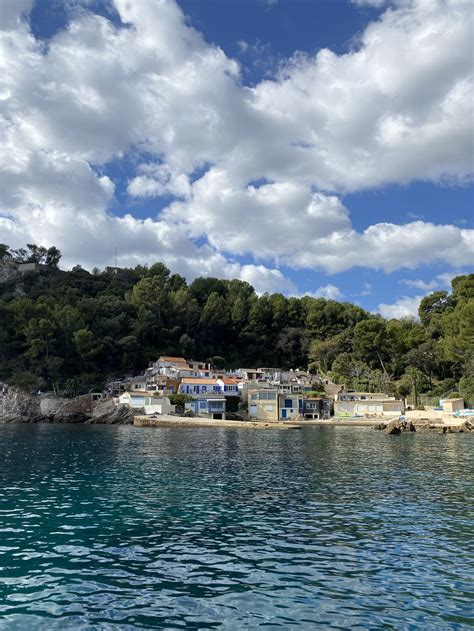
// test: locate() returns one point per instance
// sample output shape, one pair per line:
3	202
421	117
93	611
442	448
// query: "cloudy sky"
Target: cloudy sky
320	147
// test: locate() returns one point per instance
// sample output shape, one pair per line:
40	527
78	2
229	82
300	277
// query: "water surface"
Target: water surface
339	527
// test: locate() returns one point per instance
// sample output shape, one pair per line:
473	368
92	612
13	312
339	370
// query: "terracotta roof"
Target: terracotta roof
229	381
178	360
199	380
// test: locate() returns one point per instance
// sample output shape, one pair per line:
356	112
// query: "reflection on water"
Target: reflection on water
118	527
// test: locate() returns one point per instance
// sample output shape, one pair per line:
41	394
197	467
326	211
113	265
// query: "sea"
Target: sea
127	528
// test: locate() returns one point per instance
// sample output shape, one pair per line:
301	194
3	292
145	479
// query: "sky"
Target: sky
319	147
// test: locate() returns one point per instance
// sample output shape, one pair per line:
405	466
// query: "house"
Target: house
367	404
198	385
244	388
317	408
151	403
351	395
452	405
228	387
164	361
250	374
203	368
177	371
161	384
137	383
268	404
263	404
290	406
208	406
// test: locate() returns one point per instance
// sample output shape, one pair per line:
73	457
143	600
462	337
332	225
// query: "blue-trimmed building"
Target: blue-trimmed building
208	406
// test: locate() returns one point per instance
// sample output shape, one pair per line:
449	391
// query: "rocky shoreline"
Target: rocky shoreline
397	426
20	407
17	406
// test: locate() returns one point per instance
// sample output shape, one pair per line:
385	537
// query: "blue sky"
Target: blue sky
320	147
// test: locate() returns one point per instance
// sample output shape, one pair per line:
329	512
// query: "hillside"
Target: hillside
69	330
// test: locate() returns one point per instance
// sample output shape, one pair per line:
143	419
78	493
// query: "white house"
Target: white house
150	403
228	387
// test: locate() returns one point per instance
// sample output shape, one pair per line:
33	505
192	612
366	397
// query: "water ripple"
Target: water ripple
124	528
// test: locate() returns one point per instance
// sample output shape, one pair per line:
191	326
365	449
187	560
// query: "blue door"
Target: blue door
283	413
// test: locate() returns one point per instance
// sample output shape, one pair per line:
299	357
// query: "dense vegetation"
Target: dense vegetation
71	330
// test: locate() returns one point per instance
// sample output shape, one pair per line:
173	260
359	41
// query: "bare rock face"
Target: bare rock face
17	406
108	412
77	410
393	427
49	405
8	270
463	428
102	411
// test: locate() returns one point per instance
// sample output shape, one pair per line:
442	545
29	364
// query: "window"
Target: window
202	405
288	403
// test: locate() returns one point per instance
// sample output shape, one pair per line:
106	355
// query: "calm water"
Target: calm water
126	528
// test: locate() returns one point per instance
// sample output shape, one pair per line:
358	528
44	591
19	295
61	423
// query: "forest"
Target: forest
70	331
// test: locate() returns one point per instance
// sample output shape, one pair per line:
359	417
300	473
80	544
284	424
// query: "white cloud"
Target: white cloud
441	281
403	308
417	283
367	289
158	179
377	4
394	109
12	11
329	291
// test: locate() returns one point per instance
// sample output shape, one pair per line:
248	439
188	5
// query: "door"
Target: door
283	413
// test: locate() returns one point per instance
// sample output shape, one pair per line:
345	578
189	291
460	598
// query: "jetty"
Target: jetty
183	421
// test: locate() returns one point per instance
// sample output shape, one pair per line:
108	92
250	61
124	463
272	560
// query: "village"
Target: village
254	394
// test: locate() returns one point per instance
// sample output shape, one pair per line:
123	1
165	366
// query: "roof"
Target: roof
199	380
177	360
229	381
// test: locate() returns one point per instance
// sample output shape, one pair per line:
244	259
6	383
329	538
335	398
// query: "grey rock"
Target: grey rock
17	406
108	412
393	427
77	410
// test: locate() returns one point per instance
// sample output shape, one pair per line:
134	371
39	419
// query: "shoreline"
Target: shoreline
184	421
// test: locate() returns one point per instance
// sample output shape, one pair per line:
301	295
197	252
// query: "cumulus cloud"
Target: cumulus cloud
441	281
329	291
403	308
377	4
395	108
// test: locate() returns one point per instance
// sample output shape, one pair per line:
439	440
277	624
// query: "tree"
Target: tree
38	254
437	302
404	388
415	378
426	358
371	342
53	256
466	390
4	250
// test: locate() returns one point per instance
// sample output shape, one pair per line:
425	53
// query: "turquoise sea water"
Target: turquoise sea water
127	528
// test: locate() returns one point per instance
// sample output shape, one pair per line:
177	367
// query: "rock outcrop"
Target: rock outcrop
107	412
396	426
17	406
463	428
77	410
